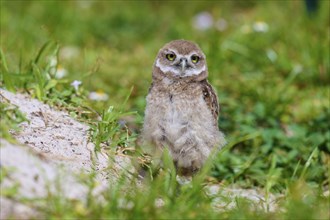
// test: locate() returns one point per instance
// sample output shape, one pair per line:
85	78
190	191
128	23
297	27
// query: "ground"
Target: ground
52	149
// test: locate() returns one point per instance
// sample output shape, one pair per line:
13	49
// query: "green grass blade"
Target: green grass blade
308	162
6	76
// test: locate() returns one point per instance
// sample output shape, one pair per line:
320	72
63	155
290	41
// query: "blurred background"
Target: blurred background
268	61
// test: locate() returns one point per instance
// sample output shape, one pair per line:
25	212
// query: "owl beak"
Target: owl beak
183	64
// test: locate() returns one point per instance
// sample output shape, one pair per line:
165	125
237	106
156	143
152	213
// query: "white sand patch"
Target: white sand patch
54	149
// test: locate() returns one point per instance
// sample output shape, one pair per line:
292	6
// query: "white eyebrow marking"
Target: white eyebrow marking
189	72
166	68
192	72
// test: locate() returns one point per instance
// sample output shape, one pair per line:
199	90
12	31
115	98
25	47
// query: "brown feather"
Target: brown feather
211	99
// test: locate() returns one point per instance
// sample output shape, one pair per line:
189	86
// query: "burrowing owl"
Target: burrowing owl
182	108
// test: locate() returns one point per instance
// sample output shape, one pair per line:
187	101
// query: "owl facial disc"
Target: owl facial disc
180	65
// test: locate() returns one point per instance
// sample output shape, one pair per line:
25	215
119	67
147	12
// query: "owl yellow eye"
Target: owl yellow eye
194	58
170	56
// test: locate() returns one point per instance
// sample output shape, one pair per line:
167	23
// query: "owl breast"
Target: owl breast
177	117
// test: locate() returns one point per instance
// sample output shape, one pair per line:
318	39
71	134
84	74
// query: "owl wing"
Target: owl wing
211	99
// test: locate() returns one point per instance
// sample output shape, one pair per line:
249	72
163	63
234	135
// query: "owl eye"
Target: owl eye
194	58
170	56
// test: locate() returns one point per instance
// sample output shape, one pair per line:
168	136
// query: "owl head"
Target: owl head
180	59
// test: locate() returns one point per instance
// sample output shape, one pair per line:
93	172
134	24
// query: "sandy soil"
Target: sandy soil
52	148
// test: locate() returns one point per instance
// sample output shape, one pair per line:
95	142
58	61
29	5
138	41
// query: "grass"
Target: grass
273	87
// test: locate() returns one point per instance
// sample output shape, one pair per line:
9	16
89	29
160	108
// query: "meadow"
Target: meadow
268	60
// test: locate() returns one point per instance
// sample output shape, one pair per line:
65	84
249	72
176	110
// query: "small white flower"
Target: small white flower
298	68
203	21
85	4
159	203
260	26
52	61
98	96
272	55
124	204
60	73
221	24
69	52
76	84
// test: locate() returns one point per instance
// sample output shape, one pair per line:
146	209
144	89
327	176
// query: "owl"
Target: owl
182	108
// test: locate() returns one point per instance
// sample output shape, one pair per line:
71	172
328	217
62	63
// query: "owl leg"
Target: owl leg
186	154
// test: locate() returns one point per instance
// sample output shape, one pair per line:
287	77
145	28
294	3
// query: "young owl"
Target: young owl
182	108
